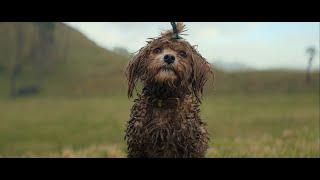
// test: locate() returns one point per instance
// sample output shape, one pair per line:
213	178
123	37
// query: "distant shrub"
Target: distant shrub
122	51
1	69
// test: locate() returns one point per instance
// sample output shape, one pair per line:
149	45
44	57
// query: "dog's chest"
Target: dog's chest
170	117
169	123
165	116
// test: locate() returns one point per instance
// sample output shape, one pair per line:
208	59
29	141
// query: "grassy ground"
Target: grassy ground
256	125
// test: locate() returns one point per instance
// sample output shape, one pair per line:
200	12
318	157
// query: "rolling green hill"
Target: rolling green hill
75	65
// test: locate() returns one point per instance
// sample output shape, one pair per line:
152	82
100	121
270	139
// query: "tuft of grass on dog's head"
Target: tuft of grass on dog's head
187	70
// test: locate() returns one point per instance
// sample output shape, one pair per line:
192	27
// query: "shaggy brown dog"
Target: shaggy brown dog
164	120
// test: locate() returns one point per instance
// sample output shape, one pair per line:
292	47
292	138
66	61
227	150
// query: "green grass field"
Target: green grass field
240	125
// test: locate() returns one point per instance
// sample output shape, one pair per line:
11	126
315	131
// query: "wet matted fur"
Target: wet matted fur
164	120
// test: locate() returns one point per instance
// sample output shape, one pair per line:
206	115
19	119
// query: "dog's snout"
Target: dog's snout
169	58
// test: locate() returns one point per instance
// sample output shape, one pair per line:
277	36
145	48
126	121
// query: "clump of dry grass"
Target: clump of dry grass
107	151
288	144
94	151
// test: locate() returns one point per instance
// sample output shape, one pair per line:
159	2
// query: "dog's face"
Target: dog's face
173	62
169	63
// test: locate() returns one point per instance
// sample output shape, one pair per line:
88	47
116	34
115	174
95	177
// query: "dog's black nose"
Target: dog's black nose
168	58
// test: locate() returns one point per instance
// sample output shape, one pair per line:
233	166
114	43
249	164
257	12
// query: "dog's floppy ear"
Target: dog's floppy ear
135	69
201	70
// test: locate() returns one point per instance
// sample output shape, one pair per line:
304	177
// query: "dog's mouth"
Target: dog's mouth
166	74
167	68
167	71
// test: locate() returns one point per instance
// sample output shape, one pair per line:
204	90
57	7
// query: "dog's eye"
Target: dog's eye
157	50
183	54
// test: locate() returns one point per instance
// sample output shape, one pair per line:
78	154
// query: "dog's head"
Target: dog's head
171	61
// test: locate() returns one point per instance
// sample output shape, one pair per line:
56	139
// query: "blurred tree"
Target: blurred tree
311	51
66	48
43	49
18	59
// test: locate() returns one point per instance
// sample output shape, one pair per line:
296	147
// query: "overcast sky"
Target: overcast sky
259	45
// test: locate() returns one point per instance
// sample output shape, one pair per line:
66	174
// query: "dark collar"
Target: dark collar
165	103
